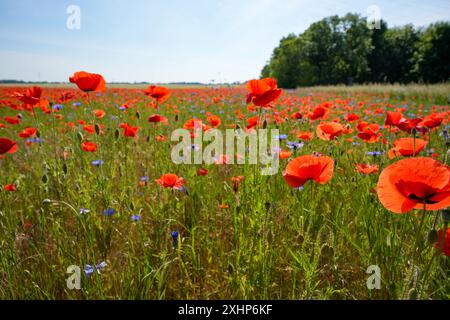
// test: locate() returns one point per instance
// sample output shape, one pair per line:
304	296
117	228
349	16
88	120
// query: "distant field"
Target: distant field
408	89
110	85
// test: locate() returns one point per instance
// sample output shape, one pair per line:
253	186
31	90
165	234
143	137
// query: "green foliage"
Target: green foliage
343	50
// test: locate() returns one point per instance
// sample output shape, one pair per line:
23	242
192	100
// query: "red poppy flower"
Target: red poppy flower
160	94
193	124
222	159
307	136
408	125
262	92
296	115
7	146
319	112
170	180
443	241
351	117
368	132
89	146
304	168
405	147
10	187
12	120
32	96
28	132
202	172
414	182
99	113
89	128
129	131
236	182
284	154
214	121
155	118
432	121
86	81
393	118
252	122
160	138
329	130
66	96
366	168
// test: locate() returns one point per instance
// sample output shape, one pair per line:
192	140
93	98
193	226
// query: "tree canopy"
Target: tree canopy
344	50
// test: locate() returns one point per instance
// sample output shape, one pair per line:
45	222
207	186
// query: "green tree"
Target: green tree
432	57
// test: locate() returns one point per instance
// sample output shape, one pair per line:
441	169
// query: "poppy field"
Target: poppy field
356	210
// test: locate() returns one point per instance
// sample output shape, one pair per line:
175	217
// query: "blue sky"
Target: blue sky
169	40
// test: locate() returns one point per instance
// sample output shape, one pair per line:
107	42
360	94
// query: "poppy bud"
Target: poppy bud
230	268
414	131
64	168
176	117
432	236
265	124
38	134
97	128
138	115
117	134
44	178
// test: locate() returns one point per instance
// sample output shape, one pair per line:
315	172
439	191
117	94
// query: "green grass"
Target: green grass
272	242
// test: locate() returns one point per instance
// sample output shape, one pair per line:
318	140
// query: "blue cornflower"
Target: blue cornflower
77	104
35	140
294	145
281	136
97	163
144	178
109	212
57	106
374	153
89	270
101	266
136	217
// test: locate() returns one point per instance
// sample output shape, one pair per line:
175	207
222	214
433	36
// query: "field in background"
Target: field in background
259	240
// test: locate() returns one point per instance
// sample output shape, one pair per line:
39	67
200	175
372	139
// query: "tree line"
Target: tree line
344	50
